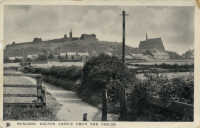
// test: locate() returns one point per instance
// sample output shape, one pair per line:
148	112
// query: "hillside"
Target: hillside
188	54
91	45
56	47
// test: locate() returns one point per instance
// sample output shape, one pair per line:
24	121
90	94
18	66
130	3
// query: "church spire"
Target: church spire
146	36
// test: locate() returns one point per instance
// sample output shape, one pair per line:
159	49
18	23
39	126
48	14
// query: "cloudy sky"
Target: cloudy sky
173	24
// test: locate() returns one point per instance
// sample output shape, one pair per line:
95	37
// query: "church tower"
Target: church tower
70	34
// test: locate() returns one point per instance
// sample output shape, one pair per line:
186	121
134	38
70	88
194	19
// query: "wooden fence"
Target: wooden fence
39	94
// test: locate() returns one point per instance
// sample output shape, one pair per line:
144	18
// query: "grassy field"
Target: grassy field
23	109
32	113
170	86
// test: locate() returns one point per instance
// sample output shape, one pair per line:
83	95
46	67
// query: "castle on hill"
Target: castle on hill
63	39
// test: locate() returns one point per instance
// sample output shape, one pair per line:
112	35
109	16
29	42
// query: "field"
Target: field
21	108
154	86
170	62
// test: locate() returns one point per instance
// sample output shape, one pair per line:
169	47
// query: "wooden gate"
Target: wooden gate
33	94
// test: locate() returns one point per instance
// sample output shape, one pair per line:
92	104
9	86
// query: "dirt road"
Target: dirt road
72	107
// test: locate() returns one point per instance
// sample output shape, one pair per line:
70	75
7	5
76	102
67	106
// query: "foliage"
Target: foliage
65	77
174	55
178	89
156	92
169	67
51	56
42	57
104	72
139	100
26	112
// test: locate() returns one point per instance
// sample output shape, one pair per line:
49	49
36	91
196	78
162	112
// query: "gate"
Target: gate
27	94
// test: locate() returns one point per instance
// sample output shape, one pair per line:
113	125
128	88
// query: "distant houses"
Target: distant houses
62	57
73	56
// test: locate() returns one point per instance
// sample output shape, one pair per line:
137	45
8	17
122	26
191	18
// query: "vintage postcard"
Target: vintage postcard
100	64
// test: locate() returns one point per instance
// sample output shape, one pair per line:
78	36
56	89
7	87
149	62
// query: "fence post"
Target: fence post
43	97
39	89
104	105
84	116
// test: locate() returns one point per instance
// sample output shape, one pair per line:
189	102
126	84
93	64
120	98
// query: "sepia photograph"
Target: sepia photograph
98	63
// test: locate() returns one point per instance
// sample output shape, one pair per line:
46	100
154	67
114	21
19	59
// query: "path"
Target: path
73	107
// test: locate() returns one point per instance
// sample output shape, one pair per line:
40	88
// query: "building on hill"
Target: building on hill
70	34
88	36
152	43
37	40
65	36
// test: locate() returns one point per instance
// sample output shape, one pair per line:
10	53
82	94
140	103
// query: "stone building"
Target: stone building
88	36
152	43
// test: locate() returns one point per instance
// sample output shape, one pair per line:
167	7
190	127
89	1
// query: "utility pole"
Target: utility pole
123	34
123	108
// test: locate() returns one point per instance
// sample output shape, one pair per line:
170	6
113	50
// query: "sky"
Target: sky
174	24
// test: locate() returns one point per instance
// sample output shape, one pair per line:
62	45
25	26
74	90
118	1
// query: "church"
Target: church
152	43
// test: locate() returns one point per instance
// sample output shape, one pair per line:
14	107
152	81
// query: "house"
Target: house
83	53
83	56
62	55
71	53
72	56
12	59
32	56
19	58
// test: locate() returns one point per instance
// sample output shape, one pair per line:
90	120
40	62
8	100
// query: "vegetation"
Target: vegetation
168	67
103	72
66	78
15	112
156	93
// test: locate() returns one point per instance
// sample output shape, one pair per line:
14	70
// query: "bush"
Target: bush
103	72
65	77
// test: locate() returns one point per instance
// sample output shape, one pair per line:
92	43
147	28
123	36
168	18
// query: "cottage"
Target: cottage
83	56
19	58
83	53
32	56
71	53
63	54
72	56
11	58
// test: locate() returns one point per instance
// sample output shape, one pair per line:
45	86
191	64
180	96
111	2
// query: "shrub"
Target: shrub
104	72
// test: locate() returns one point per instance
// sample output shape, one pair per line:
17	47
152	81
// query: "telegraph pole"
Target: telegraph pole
124	14
123	108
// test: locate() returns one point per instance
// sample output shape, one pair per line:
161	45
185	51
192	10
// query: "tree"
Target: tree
42	57
104	72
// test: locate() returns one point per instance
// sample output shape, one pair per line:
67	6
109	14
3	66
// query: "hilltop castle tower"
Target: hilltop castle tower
70	34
